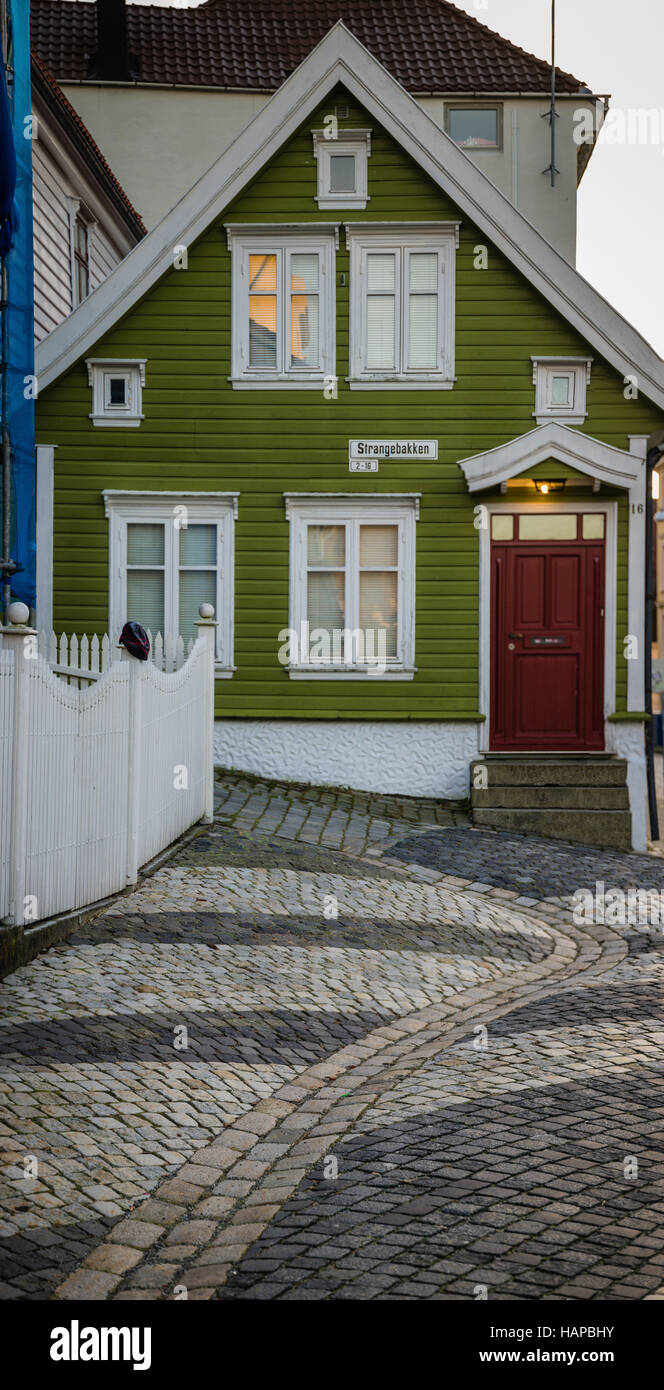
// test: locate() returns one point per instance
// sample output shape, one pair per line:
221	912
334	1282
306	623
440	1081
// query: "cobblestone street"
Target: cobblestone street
340	1046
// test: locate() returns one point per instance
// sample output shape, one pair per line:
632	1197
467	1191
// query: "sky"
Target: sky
616	49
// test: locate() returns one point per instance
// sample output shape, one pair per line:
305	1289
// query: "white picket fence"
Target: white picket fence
103	762
84	660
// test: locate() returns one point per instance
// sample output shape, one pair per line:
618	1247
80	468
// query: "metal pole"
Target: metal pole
553	93
7	567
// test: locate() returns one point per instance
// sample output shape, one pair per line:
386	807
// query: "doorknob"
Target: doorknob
515	634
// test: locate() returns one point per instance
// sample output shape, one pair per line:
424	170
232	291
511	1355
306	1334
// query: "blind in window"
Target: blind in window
263	310
423	310
381	311
304	289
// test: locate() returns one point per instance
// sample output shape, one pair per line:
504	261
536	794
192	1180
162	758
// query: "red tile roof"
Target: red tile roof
44	82
430	46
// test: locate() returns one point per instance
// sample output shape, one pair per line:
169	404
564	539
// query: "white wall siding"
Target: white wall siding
57	184
52	242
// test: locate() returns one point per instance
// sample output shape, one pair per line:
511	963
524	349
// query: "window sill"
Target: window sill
543	418
360	673
273	383
336	202
117	422
224	673
400	383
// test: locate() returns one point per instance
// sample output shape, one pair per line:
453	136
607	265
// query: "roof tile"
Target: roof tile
430	46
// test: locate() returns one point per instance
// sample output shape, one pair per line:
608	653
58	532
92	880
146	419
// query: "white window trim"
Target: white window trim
578	370
293	238
125	507
402	509
355	142
132	370
363	238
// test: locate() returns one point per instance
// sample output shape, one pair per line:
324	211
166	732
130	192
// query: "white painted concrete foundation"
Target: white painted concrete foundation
403	758
626	739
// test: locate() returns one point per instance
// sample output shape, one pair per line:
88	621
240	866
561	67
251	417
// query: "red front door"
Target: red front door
547	644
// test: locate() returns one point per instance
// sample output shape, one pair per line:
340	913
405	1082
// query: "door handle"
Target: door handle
515	634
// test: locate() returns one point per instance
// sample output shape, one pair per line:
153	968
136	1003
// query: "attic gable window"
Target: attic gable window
560	389
402	304
117	391
283	305
343	177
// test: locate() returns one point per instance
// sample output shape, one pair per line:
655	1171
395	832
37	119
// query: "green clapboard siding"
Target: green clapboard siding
200	434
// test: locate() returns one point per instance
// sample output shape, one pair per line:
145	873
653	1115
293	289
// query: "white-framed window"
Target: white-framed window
474	127
168	553
352	586
560	388
81	228
117	391
283	305
343	168
402	304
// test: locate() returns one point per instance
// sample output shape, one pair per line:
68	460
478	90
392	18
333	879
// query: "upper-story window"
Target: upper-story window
283	305
560	388
475	127
117	390
402	304
81	225
343	178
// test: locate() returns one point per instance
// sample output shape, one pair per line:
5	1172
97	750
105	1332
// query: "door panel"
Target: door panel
547	635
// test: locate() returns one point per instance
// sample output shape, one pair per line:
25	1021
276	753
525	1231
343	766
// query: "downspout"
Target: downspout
6	564
655	453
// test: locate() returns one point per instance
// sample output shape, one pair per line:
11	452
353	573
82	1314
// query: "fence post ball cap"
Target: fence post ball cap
18	613
206	610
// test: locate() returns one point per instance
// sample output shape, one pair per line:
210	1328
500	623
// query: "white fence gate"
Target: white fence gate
101	766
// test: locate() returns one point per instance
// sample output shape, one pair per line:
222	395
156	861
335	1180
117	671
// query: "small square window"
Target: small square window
342	168
560	388
502	527
116	391
474	127
593	526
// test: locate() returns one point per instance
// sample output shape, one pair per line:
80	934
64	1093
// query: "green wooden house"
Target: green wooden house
346	392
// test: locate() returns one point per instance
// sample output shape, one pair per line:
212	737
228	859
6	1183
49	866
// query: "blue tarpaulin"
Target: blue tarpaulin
18	335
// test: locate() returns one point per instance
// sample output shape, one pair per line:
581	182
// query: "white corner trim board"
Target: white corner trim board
401	757
341	58
44	536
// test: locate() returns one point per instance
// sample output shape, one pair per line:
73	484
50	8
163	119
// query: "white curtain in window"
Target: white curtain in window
379	589
145	584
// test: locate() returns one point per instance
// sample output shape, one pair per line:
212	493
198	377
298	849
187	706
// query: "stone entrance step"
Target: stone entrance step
574	797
